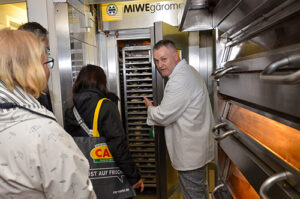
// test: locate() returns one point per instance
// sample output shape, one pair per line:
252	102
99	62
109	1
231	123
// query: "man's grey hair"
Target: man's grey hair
36	29
167	43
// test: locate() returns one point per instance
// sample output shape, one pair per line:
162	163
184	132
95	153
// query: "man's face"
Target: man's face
165	60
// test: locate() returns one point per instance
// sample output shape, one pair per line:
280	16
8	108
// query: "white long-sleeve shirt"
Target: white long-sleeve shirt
186	114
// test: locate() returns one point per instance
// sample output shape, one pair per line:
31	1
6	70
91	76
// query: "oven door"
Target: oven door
256	155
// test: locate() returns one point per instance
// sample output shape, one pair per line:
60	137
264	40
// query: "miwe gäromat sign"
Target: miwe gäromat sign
140	14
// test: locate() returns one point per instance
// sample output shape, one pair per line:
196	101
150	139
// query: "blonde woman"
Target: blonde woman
38	159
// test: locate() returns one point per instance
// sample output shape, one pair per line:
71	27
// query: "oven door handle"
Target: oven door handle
220	125
217	71
223	71
294	78
224	135
269	182
215	190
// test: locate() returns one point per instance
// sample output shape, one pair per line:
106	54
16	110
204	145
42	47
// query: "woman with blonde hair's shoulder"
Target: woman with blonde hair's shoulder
38	159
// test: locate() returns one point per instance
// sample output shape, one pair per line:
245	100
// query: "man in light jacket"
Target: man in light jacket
186	114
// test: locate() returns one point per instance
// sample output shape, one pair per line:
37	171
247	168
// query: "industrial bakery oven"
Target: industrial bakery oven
257	99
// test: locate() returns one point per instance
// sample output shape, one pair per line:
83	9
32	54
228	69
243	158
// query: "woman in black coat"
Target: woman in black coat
88	89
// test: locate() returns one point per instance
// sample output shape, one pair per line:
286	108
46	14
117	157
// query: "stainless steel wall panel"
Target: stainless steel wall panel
46	15
158	82
113	65
64	67
194	50
102	53
206	58
201	55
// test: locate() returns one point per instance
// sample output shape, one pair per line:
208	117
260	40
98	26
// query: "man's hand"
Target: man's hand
140	183
147	102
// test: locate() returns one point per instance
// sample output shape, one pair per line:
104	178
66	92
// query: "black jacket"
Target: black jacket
109	125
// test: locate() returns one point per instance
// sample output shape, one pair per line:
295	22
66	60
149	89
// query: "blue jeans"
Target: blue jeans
193	183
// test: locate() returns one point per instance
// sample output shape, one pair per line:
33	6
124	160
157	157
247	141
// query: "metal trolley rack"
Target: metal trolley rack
137	74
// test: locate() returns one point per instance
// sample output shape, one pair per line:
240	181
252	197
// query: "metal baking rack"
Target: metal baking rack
137	74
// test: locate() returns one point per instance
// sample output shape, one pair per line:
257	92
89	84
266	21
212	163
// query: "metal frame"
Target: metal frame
64	68
160	145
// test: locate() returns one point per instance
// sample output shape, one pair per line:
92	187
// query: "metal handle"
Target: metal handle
215	190
216	72
220	125
224	135
294	78
224	71
268	183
